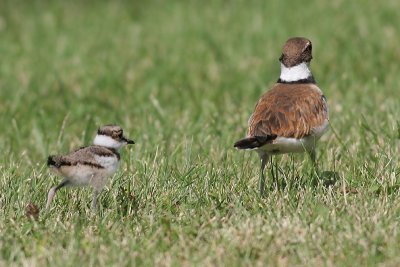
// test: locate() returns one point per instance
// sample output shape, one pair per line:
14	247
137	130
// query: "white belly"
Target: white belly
283	145
81	174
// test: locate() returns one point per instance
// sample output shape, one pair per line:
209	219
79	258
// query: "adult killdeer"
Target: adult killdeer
293	115
90	165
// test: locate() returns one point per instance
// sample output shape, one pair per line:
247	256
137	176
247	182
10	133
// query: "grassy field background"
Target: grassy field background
182	78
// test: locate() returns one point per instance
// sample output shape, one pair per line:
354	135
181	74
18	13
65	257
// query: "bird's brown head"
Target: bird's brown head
296	51
111	136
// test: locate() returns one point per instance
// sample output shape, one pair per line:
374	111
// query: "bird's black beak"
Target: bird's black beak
128	141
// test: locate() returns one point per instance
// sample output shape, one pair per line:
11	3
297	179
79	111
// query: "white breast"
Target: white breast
109	163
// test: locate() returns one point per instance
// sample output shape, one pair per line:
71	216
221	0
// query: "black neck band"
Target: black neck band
115	152
309	79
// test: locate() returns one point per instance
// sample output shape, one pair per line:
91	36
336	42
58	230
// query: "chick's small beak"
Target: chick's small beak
128	141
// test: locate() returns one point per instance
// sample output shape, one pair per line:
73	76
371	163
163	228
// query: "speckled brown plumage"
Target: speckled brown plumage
84	156
289	110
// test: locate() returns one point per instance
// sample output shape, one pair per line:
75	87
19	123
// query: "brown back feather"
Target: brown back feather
83	155
289	110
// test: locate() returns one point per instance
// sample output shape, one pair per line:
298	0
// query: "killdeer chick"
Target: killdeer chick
293	115
91	165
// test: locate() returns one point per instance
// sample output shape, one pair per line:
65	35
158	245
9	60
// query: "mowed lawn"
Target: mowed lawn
182	78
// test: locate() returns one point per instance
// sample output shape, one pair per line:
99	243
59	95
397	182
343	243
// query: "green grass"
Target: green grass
182	78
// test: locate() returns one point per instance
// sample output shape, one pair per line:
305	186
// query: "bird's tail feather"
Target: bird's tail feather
254	142
53	161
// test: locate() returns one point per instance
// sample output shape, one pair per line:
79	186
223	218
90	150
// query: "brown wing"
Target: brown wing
289	110
86	155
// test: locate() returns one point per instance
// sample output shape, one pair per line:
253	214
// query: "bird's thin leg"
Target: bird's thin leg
313	157
52	192
264	158
274	174
96	193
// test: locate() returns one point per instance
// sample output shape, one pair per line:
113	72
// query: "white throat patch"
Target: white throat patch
106	141
295	73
